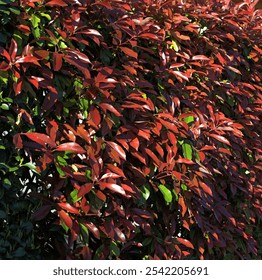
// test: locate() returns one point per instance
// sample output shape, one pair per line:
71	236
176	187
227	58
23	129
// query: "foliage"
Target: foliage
130	129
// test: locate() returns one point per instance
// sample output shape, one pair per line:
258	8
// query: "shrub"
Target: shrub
130	129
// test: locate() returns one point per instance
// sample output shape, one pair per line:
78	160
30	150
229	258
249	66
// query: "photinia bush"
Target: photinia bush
130	129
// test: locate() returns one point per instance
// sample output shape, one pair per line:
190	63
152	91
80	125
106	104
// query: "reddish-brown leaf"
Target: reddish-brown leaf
110	175
28	59
135	143
65	218
68	207
185	242
220	138
17	140
59	3
40	138
118	149
149	36
57	61
13	49
72	147
206	188
129	52
93	229
113	187
179	74
200	57
111	108
84	189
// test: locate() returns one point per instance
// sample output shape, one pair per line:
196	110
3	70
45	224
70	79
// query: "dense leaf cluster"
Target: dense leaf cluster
130	129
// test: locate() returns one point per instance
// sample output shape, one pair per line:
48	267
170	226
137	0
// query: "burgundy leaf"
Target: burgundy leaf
17	140
41	213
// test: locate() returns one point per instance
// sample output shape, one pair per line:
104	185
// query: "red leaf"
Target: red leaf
110	175
234	70
100	195
59	3
95	115
128	188
153	156
24	28
185	160
130	69
17	86
109	107
135	143
118	149
86	188
57	61
4	53
13	49
68	207
179	75
185	242
72	147
40	138
65	218
220	138
93	229
200	57
129	52
116	170
169	125
230	37
149	36
113	187
28	59
183	206
206	188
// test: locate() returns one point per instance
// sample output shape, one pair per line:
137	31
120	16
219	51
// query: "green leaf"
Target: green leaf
145	192
64	226
175	46
84	233
61	161
31	166
4	106
74	196
167	194
189	119
114	249
35	20
187	151
46	16
7	183
184	187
